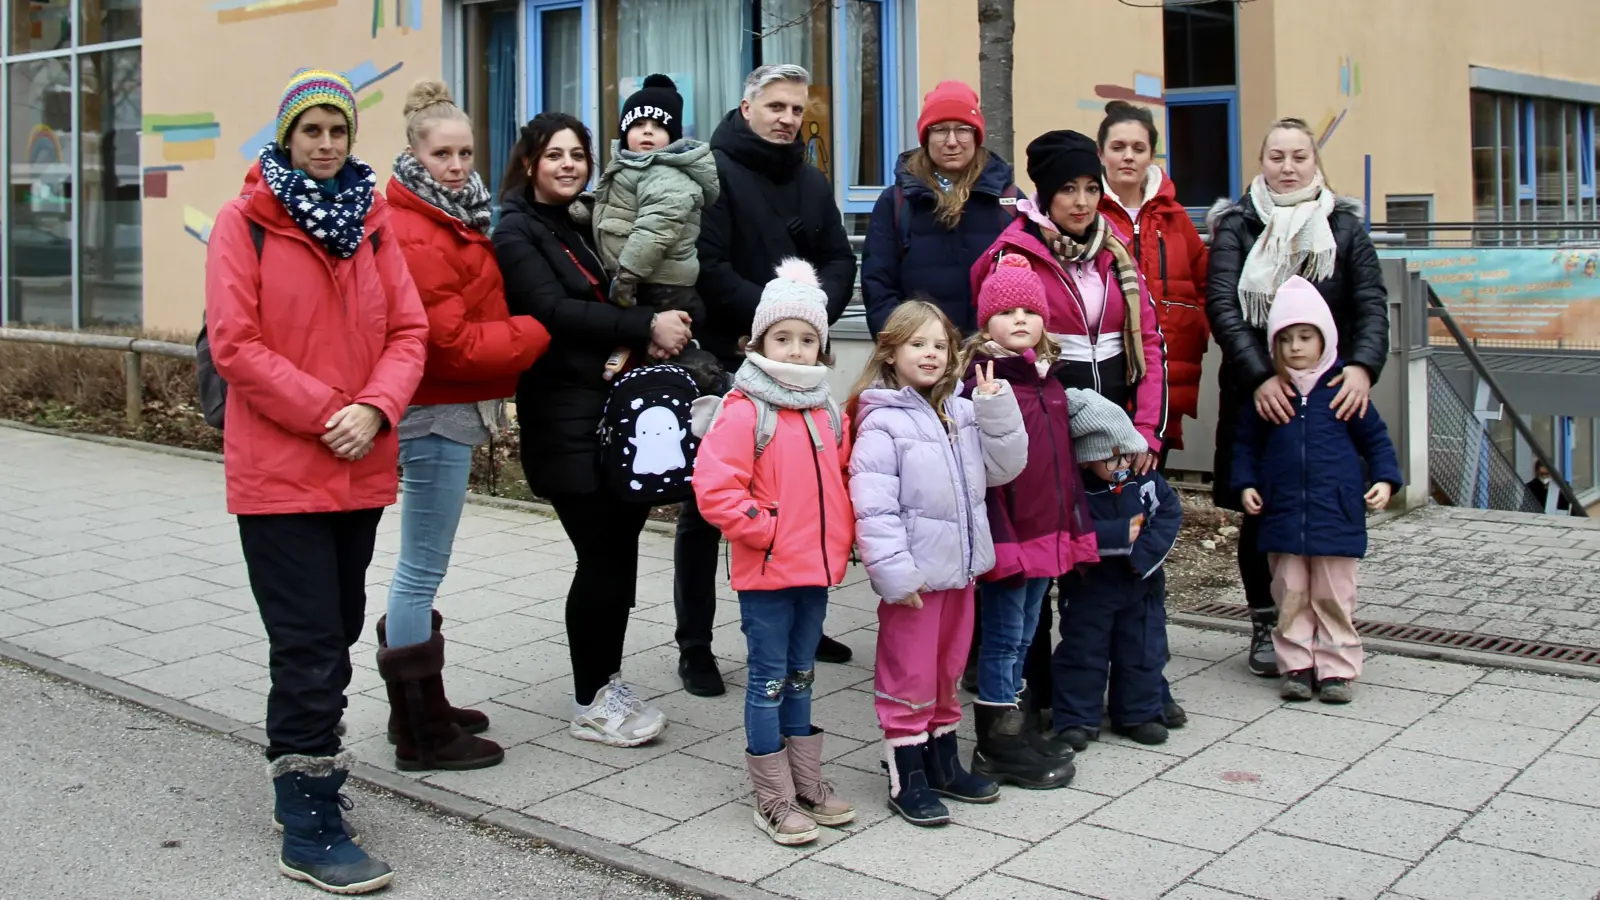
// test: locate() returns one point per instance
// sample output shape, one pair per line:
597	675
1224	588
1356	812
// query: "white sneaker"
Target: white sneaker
611	720
649	714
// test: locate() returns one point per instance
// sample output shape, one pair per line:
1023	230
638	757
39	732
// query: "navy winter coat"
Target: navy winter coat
1114	507
1310	474
922	256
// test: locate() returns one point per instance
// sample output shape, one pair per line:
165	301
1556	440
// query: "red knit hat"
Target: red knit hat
1011	284
950	101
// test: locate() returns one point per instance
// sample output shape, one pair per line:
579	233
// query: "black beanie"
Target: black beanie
1057	157
658	99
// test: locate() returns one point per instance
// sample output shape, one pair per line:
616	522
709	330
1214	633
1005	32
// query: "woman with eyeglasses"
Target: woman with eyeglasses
950	200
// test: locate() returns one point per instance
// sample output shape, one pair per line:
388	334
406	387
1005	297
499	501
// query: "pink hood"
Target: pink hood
1299	303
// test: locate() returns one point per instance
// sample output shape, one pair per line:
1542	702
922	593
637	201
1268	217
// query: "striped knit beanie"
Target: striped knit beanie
315	87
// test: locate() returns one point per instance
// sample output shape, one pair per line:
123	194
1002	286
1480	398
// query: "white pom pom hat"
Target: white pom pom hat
794	294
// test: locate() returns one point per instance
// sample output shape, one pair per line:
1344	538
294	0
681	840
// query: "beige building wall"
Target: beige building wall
211	71
1406	97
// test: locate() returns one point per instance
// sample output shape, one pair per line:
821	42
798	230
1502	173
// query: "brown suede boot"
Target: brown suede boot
428	739
813	794
470	720
775	813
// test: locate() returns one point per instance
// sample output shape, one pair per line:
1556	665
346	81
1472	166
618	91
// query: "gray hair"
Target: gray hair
767	76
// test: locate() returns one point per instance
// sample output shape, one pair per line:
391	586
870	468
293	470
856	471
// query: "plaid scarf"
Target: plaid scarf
1066	250
337	221
468	204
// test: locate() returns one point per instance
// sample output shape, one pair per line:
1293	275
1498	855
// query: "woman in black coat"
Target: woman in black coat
1288	223
552	273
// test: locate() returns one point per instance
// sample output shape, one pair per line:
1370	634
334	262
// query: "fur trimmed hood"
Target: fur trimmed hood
1226	207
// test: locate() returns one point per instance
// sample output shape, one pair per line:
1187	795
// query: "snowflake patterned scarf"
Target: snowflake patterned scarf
334	216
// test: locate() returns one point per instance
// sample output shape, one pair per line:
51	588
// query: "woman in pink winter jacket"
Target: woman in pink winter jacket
770	476
924	457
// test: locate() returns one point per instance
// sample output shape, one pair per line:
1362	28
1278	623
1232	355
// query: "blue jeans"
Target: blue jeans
1010	617
434	474
781	630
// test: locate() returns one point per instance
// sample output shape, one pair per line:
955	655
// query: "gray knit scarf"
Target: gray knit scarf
468	204
782	384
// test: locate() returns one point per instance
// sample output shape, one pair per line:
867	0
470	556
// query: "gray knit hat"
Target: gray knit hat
794	294
1100	429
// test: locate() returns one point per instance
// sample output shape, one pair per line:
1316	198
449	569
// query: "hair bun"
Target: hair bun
426	93
1116	106
659	81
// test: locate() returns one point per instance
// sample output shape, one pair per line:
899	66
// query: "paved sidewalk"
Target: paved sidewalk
1441	782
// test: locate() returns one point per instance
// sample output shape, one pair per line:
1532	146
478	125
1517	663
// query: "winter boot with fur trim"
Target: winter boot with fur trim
1004	755
813	793
428	738
946	776
909	794
470	720
316	848
776	814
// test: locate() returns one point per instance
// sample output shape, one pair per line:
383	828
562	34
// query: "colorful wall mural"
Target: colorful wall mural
205	123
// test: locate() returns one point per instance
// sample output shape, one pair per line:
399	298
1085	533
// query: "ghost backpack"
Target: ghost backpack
647	446
209	383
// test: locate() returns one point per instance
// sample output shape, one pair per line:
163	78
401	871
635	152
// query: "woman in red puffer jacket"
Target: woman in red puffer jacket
476	350
1142	205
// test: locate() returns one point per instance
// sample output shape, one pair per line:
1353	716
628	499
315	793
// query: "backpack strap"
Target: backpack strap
1009	211
767	424
902	234
258	238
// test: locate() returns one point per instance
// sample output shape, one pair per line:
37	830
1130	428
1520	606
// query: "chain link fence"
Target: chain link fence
1463	464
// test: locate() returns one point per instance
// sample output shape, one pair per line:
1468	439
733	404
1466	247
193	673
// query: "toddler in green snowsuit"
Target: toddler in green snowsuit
647	217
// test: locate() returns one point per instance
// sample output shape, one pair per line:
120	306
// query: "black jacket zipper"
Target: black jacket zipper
1161	247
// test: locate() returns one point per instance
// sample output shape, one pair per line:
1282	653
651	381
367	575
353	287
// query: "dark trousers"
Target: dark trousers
604	531
694	577
1110	621
1254	571
308	572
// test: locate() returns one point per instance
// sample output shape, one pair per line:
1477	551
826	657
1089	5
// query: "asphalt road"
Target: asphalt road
103	799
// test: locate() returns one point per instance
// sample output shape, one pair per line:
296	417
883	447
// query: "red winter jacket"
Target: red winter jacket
1173	260
786	515
476	348
299	335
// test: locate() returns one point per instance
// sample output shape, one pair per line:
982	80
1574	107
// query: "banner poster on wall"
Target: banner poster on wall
1544	297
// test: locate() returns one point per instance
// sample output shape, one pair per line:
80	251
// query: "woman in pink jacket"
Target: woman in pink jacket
316	326
770	476
1101	312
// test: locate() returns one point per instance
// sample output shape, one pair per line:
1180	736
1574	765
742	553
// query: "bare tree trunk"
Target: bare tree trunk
997	21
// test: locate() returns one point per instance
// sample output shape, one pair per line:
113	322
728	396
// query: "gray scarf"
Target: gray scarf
783	385
468	204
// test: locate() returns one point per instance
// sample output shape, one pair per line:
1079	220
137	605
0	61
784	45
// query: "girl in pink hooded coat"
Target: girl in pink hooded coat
924	456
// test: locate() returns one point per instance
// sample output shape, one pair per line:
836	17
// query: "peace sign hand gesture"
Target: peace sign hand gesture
987	386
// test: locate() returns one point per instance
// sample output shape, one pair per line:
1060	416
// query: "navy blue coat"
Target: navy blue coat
1114	507
1310	474
923	256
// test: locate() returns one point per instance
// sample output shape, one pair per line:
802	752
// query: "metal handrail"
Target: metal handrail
133	350
1437	310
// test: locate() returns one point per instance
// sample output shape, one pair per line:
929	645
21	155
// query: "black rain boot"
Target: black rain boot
316	848
1055	752
909	794
949	780
1003	754
1263	658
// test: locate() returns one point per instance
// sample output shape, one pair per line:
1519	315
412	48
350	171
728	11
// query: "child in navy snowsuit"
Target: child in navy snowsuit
1113	613
1312	479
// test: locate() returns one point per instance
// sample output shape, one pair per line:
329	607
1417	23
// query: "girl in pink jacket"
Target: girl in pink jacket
770	476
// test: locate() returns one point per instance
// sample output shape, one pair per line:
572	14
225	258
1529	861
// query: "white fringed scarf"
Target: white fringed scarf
1297	240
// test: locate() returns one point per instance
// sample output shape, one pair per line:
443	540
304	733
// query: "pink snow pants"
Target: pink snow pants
1316	598
921	653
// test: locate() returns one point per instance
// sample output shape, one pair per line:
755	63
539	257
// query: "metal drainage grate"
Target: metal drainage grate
1437	637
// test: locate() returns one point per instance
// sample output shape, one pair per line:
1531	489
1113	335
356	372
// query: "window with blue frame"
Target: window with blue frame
1533	159
1199	43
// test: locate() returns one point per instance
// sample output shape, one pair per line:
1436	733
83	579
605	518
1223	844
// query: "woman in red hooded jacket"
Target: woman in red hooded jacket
1141	203
315	324
476	350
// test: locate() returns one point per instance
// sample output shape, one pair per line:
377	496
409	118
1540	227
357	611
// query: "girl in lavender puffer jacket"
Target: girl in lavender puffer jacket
923	458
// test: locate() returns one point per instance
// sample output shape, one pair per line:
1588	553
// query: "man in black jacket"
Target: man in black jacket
773	205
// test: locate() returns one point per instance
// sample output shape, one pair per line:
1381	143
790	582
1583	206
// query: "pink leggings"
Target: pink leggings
1316	597
921	653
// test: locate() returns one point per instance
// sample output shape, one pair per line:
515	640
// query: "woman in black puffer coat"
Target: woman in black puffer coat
553	274
1288	223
